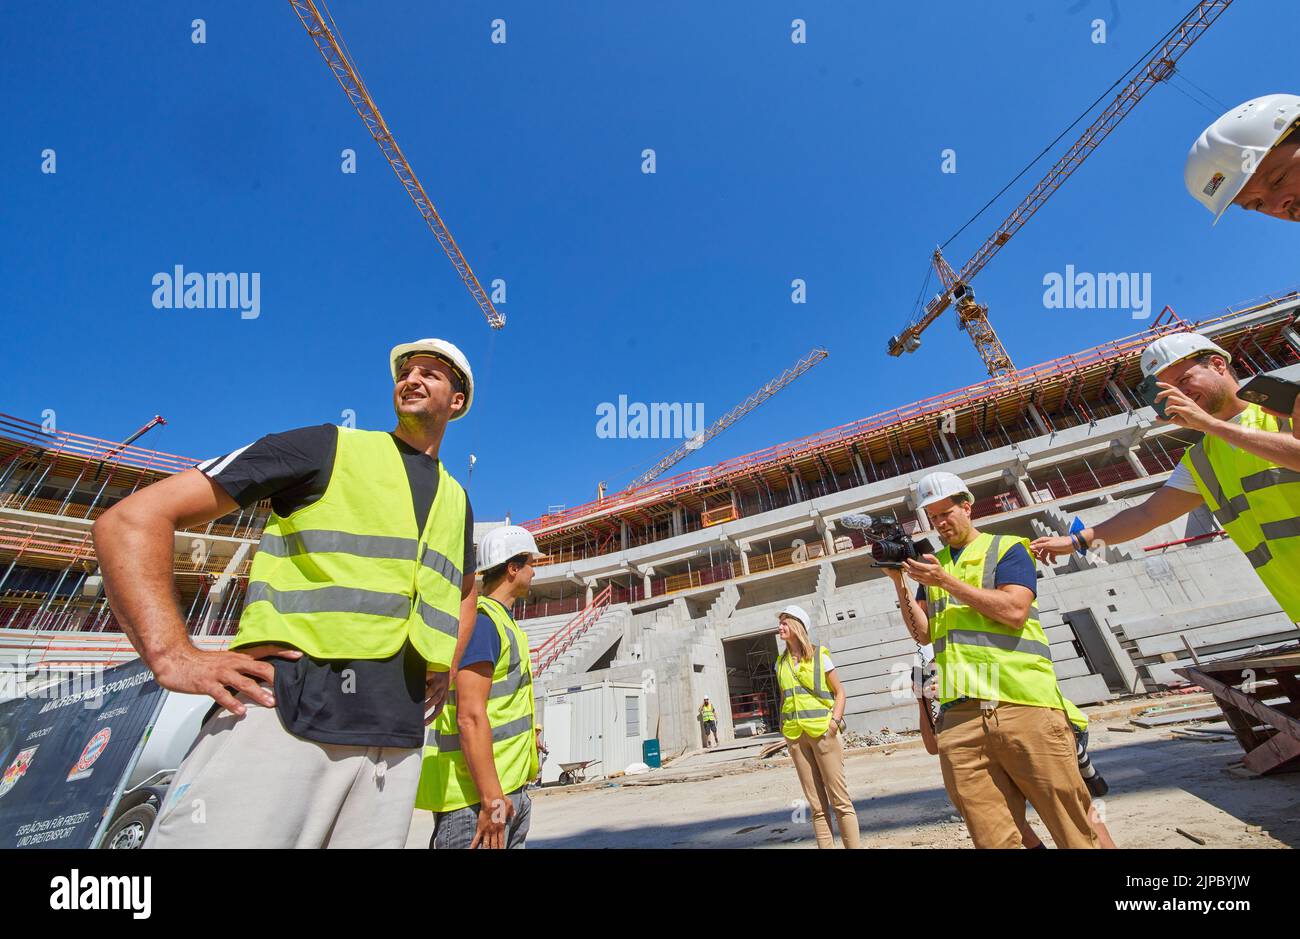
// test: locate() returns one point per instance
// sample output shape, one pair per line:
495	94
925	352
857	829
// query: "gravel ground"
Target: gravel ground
1159	782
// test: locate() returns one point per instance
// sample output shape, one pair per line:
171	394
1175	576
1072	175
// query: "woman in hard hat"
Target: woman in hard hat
812	719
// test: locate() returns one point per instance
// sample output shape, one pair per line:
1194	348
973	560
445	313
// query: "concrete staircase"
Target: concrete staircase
587	649
1059	524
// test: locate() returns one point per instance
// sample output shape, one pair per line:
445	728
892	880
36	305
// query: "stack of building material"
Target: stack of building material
1156	643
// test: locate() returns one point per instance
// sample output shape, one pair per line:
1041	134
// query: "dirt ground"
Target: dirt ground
1158	783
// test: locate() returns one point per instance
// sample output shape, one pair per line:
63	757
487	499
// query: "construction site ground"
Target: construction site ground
1179	775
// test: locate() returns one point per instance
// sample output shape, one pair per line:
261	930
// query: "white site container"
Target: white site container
604	722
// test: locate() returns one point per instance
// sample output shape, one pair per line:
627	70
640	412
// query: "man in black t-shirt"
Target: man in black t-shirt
302	750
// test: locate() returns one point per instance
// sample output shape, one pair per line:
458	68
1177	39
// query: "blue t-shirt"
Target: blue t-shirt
485	643
1016	567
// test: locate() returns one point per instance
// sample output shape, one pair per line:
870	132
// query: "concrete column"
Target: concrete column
943	439
744	558
1014	478
679	524
862	471
828	536
623	535
920	515
590	594
796	485
1037	418
1118	394
1130	454
645	581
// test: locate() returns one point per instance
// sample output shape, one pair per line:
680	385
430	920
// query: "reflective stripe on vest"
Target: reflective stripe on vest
350	576
445	780
977	656
1258	504
804	710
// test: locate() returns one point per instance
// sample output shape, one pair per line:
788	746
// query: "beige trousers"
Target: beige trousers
994	760
249	783
819	761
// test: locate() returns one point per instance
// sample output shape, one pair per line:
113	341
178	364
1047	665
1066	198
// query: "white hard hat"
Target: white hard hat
439	349
1170	350
501	544
798	613
1227	153
935	487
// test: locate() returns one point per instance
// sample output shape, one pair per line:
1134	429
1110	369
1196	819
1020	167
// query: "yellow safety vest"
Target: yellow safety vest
350	576
1257	503
979	657
445	780
806	698
706	713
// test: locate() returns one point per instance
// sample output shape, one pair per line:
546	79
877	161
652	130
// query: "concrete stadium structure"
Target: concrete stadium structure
674	586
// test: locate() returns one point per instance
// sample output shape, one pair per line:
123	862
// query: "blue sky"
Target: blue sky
775	161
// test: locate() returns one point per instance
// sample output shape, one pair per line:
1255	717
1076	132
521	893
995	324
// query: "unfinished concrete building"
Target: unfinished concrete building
670	591
688	573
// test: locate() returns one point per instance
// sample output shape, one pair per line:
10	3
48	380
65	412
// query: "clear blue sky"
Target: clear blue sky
775	161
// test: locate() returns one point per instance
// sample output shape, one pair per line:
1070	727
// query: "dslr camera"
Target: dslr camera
890	545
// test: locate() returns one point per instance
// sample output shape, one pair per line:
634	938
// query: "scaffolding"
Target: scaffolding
1070	391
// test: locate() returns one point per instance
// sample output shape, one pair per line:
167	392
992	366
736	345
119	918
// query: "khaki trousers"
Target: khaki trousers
993	760
249	783
819	761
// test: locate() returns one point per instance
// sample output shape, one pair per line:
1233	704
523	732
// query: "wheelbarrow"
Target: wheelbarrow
571	773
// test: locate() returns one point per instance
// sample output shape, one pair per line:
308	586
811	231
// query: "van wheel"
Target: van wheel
131	828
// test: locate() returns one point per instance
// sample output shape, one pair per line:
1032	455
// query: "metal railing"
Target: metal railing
563	639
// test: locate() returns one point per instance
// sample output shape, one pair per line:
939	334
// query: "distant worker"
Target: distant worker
812	719
1250	157
1003	733
1246	469
356	598
542	752
483	749
708	719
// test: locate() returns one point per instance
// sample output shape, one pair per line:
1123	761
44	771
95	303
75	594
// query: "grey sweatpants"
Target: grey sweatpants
249	783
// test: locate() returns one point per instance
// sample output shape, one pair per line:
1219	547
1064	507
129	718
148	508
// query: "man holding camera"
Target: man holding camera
1246	469
1003	735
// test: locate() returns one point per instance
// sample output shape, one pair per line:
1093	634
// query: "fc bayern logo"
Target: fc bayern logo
90	754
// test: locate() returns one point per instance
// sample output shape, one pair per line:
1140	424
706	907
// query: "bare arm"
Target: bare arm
1008	604
436	681
134	544
837	710
1165	505
1282	449
472	687
1279	448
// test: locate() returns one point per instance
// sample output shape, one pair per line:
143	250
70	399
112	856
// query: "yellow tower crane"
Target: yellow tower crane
973	317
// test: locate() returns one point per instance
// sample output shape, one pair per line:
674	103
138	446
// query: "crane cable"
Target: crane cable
1146	55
